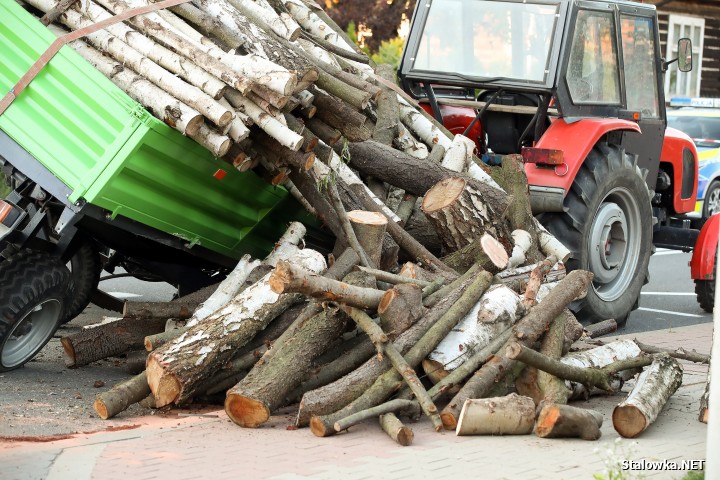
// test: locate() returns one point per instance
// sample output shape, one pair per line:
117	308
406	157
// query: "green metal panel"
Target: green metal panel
110	152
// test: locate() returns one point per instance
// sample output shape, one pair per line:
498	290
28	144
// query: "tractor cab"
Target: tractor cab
576	88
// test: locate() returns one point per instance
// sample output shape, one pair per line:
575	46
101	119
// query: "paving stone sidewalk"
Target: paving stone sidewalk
213	447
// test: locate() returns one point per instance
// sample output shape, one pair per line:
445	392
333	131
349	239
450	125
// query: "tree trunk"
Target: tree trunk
396	430
121	396
652	390
564	421
498	309
251	402
176	367
108	339
509	415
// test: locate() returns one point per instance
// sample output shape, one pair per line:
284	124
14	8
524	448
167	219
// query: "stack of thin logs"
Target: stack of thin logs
274	86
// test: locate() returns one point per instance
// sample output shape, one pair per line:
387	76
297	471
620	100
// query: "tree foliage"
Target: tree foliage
383	17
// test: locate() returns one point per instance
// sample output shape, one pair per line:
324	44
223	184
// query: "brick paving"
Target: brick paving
202	447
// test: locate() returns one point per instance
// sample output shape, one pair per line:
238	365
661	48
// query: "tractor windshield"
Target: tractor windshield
487	40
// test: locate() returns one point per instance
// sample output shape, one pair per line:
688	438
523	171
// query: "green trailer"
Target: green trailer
98	182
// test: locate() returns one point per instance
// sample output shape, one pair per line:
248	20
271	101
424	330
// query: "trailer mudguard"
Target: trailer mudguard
575	140
679	151
703	257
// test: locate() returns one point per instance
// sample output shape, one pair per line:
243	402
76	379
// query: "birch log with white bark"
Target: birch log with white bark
509	415
165	107
655	385
459	155
176	367
498	309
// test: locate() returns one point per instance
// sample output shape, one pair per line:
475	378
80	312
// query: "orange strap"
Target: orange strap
61	41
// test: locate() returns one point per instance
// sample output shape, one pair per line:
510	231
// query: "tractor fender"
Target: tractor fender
575	140
703	257
679	151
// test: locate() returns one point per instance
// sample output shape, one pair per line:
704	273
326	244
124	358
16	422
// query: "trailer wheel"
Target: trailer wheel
33	292
608	228
85	269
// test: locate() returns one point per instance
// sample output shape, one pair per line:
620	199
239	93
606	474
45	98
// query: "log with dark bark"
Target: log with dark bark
108	339
601	328
391	380
176	367
652	390
563	421
460	214
509	415
334	396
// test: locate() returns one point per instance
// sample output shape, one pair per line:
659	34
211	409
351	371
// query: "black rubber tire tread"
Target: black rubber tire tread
26	279
606	167
85	268
705	291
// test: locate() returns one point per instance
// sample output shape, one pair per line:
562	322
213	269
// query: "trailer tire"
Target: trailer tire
608	205
33	291
85	268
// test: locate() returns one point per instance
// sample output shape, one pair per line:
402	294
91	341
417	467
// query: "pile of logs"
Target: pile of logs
442	286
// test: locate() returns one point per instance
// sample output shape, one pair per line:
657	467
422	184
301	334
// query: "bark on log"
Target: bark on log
164	310
484	251
289	278
652	390
176	367
390	165
334	396
391	380
498	309
108	339
370	229
388	407
601	328
459	155
522	241
396	279
121	396
679	353
516	278
400	308
396	430
537	277
384	346
705	402
165	107
251	402
509	415
565	421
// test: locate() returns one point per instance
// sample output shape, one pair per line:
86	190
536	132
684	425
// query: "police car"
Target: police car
699	118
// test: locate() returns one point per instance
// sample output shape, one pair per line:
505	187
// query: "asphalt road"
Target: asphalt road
668	300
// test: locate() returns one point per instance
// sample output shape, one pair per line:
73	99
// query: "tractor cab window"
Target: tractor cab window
592	73
639	63
489	39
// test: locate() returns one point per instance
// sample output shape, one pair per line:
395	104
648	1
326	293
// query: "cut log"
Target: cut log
484	251
369	228
400	308
565	421
289	278
679	353
176	367
164	310
601	328
388	407
391	380
537	277
509	415
121	396
516	278
498	309
653	388
396	430
459	155
108	339
405	276
522	241
460	214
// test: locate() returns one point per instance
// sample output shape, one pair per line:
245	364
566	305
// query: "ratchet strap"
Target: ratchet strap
59	42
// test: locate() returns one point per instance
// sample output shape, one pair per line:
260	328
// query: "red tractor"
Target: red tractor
576	87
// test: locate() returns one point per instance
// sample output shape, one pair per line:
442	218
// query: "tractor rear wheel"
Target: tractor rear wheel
33	293
608	228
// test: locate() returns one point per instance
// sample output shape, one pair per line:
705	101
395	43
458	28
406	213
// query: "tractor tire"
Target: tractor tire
705	292
607	226
85	268
33	292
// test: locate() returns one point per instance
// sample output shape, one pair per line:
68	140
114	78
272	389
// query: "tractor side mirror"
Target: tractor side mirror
685	61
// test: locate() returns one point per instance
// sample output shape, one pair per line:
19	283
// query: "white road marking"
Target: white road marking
123	295
671	313
666	252
668	293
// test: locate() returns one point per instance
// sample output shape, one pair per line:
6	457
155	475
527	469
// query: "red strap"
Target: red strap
61	41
